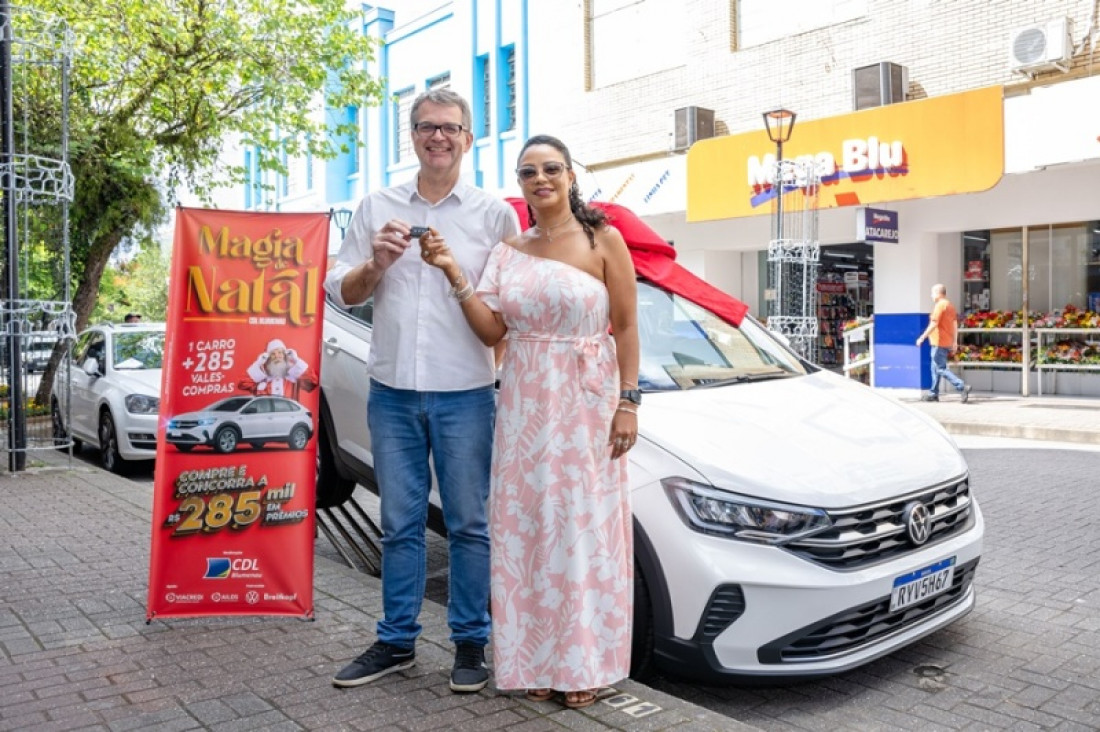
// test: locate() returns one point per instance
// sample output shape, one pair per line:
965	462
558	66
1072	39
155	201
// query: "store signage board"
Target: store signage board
876	225
938	146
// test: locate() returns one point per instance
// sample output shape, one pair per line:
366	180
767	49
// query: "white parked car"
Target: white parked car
113	386
254	420
788	522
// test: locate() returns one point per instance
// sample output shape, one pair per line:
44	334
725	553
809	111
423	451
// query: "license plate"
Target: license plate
909	589
173	433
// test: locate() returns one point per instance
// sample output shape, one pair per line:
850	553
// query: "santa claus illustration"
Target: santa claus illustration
278	371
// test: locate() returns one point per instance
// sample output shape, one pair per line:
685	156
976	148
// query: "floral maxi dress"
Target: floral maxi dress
559	507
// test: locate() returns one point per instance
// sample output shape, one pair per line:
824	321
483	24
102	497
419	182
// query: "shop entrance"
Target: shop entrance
845	287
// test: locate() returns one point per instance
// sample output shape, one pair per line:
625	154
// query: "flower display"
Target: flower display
1074	352
1071	316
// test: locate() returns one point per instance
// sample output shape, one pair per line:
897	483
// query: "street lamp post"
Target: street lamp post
779	123
341	217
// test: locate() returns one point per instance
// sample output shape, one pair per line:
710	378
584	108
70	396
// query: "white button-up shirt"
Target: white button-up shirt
420	339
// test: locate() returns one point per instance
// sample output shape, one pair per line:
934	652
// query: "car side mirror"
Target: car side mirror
91	366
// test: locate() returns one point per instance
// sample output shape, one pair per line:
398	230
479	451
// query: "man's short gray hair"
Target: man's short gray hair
446	98
939	289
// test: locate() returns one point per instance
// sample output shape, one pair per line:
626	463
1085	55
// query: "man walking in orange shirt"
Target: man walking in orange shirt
941	332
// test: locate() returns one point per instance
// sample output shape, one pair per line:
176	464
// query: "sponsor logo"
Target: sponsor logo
280	597
224	567
174	597
252	597
223	597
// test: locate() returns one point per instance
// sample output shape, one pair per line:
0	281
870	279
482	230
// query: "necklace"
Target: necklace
549	229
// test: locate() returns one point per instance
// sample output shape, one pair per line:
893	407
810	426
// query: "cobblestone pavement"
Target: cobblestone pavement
76	653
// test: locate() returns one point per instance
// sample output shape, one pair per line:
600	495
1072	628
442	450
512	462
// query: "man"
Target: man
942	332
278	371
431	389
132	318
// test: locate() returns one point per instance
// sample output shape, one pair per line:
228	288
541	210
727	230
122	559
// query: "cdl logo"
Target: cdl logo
222	567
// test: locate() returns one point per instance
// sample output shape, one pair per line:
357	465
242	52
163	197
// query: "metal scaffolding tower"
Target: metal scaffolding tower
36	185
794	255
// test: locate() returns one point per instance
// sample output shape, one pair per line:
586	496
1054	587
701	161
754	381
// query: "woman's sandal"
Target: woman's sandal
540	695
580	699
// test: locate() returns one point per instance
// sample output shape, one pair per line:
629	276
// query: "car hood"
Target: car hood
138	381
818	440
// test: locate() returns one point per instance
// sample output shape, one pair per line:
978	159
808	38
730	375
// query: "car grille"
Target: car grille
864	625
874	533
183	424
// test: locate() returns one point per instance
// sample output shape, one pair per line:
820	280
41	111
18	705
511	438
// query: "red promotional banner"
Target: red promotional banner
233	499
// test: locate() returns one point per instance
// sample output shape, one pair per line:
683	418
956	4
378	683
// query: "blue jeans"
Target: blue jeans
456	430
939	369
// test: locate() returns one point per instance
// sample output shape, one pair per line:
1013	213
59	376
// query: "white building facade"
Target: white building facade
983	114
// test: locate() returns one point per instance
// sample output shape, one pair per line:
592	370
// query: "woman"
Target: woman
560	522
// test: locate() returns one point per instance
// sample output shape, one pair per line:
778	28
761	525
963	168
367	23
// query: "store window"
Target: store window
1063	268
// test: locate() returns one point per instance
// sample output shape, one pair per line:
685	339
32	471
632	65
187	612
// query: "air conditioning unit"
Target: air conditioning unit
689	125
879	84
1041	47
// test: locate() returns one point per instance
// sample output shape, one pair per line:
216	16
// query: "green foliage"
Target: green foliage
158	87
139	285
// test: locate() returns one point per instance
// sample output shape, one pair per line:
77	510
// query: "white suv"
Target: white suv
787	522
113	388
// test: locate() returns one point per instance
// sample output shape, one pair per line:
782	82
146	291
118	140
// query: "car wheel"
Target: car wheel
641	644
299	436
60	434
332	488
225	440
108	445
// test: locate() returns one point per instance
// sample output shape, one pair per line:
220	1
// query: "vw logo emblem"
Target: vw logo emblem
918	523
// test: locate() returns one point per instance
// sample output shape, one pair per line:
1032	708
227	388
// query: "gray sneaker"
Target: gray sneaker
966	393
374	663
469	673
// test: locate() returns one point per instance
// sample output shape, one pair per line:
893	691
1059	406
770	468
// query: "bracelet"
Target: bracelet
459	285
628	384
633	411
464	294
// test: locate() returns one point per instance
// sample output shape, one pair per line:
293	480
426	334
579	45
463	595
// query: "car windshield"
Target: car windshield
139	349
684	346
232	404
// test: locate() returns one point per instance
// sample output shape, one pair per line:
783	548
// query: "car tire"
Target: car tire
299	437
61	436
226	439
109	457
332	488
641	644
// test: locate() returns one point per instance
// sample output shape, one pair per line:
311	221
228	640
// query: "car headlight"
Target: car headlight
203	421
142	404
708	510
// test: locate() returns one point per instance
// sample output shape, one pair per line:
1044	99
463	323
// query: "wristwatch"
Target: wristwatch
631	395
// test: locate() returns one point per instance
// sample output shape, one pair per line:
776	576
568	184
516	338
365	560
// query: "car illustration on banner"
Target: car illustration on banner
253	420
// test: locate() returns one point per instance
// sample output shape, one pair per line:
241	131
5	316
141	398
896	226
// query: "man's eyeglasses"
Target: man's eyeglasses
550	170
427	129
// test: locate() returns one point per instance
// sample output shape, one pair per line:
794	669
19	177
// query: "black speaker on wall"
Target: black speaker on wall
879	84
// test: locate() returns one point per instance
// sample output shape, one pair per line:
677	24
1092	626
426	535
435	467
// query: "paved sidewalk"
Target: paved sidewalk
76	653
1062	419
